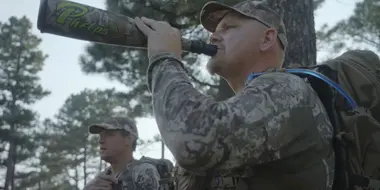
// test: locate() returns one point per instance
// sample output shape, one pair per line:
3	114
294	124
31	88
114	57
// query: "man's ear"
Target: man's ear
130	138
269	39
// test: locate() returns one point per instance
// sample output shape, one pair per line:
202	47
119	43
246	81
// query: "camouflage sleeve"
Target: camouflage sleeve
146	177
204	134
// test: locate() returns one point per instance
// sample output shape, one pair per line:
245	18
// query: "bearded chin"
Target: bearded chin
212	67
210	70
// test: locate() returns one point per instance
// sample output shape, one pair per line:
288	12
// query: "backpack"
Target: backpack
349	88
164	168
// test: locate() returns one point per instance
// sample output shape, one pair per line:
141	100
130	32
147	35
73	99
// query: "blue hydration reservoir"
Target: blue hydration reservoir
308	72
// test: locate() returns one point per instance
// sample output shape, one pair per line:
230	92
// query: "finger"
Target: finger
143	27
154	24
148	21
108	178
99	186
105	183
102	186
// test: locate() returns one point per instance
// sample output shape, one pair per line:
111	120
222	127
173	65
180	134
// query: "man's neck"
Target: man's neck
120	162
237	83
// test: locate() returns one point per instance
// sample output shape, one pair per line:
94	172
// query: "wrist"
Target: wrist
156	60
162	55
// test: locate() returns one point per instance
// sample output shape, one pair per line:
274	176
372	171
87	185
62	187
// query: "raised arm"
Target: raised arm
246	129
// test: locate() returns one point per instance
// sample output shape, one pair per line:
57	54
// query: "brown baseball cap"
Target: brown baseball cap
114	123
213	12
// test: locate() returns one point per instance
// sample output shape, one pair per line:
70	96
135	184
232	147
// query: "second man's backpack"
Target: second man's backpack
163	166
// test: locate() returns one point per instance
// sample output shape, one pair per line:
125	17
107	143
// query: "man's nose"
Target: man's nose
101	140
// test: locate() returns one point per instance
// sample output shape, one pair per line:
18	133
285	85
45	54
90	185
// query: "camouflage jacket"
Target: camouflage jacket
137	176
274	134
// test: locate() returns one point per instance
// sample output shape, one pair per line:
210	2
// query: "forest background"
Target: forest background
53	87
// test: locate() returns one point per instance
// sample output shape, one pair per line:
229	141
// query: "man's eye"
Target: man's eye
225	27
110	133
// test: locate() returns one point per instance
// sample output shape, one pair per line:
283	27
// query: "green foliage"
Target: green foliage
129	66
20	62
318	4
68	152
361	29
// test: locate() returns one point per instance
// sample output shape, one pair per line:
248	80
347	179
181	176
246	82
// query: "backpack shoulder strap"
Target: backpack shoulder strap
126	177
314	74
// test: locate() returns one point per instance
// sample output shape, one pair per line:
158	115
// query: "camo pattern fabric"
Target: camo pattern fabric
213	12
277	118
138	176
145	177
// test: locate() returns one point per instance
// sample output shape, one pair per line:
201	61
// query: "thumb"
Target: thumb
143	27
110	178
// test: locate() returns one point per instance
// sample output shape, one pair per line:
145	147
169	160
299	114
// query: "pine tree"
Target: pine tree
20	62
359	30
69	152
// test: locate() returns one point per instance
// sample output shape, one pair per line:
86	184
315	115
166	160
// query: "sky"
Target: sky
62	74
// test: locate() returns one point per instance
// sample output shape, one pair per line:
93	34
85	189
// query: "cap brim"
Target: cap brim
209	21
96	128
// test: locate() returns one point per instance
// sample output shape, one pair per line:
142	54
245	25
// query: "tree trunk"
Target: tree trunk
10	161
298	17
76	178
162	149
100	167
14	157
39	185
85	164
